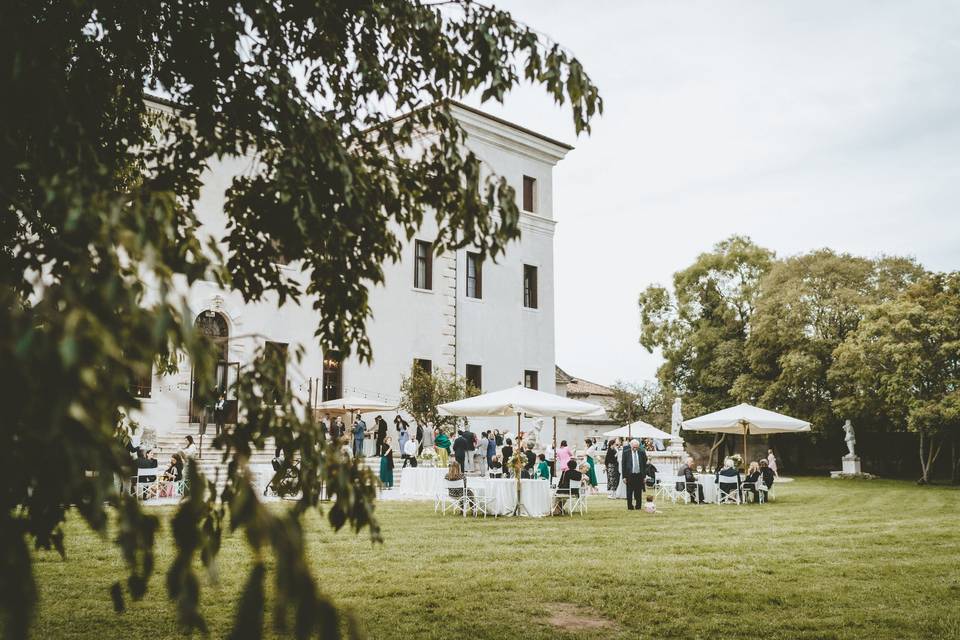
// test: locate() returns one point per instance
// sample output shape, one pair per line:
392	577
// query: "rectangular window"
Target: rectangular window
332	376
423	265
474	276
276	352
529	194
142	387
529	286
278	257
424	365
530	379
475	376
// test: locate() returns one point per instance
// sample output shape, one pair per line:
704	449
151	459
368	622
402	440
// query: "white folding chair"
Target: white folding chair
449	501
577	498
683	494
141	487
766	493
666	489
479	501
728	493
558	500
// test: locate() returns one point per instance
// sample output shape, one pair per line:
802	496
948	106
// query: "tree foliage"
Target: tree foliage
422	391
100	238
903	362
824	336
701	327
649	401
807	306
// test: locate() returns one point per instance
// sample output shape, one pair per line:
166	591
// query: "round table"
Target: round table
535	495
422	481
709	483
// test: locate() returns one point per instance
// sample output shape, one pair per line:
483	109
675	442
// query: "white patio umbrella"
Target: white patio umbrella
356	404
638	429
520	400
517	401
745	419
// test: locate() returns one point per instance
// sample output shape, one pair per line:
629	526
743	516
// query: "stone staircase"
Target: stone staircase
209	460
210	463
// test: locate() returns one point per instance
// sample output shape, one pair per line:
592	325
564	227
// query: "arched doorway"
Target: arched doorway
214	326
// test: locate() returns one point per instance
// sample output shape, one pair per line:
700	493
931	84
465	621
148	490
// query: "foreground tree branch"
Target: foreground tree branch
98	239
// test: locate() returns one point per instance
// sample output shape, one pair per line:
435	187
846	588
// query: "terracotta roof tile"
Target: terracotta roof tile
581	387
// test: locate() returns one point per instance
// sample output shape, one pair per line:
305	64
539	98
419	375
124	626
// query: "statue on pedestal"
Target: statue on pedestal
533	437
850	438
676	421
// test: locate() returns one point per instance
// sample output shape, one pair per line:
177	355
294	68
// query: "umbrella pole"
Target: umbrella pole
553	463
518	472
744	443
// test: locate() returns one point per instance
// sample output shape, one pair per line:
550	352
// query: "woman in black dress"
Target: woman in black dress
613	469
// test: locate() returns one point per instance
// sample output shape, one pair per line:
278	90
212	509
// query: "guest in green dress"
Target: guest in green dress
442	445
386	463
543	468
591	472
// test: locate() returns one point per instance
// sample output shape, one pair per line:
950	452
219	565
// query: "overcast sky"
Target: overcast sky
801	124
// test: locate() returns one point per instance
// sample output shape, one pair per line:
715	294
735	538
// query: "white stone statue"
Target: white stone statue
676	419
534	436
850	438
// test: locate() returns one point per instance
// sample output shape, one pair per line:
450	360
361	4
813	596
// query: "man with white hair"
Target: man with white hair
689	483
634	468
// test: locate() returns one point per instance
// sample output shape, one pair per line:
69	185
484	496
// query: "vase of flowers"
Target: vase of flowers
428	458
737	461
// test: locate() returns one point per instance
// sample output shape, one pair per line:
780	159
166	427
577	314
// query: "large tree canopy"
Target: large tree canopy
98	236
903	362
807	306
701	327
822	335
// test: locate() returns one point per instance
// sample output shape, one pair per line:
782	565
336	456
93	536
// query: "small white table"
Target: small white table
535	495
709	483
422	481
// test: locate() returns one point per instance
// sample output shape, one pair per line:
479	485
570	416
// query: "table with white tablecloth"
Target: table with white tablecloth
709	483
422	481
535	495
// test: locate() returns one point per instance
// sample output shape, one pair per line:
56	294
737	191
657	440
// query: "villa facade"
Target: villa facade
491	322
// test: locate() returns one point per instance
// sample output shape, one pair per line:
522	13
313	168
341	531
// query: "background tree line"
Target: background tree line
823	336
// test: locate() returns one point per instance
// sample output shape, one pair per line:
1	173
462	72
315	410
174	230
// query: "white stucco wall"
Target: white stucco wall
496	332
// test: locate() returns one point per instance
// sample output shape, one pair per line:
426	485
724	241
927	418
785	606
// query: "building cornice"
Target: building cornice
509	136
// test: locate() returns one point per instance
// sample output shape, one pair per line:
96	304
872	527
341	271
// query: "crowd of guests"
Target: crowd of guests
627	464
144	457
493	453
489	453
756	484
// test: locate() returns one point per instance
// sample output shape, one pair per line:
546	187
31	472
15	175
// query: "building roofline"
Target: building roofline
483	114
512	125
166	102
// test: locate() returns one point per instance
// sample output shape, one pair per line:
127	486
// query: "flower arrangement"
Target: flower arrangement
428	457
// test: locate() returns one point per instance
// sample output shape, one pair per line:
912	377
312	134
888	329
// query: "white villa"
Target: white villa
493	323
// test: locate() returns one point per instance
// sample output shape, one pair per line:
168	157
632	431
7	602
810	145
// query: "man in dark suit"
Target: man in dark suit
531	461
689	483
505	454
220	412
460	448
634	470
381	433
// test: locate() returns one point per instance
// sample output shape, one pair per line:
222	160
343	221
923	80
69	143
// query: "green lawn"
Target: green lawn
828	559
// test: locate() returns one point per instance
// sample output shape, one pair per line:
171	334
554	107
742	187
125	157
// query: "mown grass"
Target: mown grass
829	559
